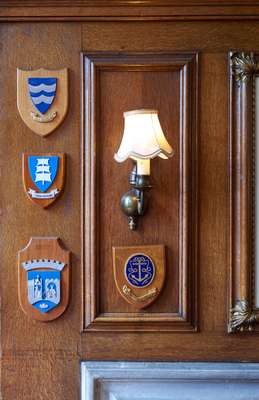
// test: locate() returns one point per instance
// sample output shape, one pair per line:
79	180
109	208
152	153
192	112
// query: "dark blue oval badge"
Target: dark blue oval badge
139	270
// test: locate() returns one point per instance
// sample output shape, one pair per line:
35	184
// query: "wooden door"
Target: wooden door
120	56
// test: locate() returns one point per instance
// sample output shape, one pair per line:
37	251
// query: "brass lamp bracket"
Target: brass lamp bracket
134	202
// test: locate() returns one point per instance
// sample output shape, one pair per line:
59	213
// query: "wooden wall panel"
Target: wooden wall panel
207	36
33	352
46	375
29	348
114	84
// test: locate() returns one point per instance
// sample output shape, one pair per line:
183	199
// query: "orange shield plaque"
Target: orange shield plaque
43	177
44	278
139	273
42	98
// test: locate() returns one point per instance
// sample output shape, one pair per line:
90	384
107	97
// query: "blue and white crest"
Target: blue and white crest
42	98
44	289
43	170
42	92
139	270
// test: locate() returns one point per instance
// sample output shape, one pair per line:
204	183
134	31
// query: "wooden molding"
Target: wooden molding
132	3
121	10
243	68
184	65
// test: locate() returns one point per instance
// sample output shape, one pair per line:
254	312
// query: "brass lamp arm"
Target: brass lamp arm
134	202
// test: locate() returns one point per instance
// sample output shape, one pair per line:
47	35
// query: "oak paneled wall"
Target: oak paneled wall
115	83
44	359
38	357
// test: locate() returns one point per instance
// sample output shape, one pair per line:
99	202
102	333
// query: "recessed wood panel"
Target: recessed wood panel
114	83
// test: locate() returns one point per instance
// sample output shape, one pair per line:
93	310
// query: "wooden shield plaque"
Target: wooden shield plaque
44	278
139	273
43	177
42	98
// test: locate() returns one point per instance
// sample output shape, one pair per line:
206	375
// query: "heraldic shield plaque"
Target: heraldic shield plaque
42	98
44	278
139	273
43	177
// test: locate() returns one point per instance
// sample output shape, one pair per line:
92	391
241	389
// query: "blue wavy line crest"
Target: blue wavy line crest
42	92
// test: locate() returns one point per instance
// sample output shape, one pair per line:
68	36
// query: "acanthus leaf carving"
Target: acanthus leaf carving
242	318
244	67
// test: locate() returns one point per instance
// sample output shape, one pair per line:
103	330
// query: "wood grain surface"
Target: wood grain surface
36	359
115	83
129	10
33	357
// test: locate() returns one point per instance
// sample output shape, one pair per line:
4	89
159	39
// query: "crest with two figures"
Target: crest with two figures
44	278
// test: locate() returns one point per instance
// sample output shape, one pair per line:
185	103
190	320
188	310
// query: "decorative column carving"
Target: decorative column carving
243	68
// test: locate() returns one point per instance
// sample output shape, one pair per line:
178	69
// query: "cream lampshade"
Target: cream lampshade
143	139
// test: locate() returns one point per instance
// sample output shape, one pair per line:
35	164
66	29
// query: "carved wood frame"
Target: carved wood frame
243	315
128	10
185	319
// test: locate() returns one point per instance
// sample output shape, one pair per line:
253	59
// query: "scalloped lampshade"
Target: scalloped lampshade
143	139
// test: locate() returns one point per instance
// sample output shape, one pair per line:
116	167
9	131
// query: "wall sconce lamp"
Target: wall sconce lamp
143	139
